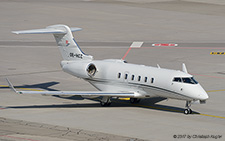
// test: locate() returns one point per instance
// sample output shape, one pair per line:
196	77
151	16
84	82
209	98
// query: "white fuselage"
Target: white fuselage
147	81
116	78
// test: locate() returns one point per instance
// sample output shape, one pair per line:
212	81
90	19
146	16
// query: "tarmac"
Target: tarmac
32	62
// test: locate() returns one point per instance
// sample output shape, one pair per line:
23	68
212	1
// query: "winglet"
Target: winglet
11	86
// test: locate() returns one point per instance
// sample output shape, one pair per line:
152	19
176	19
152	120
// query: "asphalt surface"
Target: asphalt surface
32	62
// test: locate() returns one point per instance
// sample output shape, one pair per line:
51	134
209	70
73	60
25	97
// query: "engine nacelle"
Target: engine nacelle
91	70
81	69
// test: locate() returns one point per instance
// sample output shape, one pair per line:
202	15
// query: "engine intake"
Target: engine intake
91	70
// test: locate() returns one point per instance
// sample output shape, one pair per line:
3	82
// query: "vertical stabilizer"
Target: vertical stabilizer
64	38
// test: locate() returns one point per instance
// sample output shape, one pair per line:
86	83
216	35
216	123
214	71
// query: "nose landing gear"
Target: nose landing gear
188	110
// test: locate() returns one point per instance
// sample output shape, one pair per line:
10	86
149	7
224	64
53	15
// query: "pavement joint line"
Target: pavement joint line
145	106
30	73
17	138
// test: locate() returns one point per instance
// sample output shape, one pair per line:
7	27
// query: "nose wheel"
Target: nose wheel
188	110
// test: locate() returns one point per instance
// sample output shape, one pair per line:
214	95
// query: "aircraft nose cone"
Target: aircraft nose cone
203	96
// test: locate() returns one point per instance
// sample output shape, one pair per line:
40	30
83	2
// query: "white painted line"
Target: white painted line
136	44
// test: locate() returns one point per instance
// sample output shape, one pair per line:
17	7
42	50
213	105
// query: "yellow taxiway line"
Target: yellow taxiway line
211	116
215	91
5	86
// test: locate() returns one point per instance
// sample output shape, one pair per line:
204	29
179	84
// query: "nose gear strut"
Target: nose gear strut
188	110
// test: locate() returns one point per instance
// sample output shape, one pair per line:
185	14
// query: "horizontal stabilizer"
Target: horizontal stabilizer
47	30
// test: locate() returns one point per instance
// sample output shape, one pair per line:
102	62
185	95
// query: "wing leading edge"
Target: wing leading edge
82	93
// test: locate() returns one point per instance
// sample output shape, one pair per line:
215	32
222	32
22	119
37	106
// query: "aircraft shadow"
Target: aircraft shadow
149	103
152	103
44	86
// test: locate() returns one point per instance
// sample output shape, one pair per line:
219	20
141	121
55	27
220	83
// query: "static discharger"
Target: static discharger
165	45
217	53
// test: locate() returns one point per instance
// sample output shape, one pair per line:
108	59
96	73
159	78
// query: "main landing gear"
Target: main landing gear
105	101
188	110
134	100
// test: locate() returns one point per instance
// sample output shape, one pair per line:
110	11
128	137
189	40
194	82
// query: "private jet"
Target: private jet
115	78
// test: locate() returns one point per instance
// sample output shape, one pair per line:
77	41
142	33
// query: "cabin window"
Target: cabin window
139	78
119	75
132	77
126	75
152	80
146	79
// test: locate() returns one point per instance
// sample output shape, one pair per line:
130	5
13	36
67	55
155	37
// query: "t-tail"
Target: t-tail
68	47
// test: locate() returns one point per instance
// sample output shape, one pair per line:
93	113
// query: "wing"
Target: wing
82	93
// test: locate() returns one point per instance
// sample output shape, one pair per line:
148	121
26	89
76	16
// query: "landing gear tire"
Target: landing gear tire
105	101
187	111
190	111
134	100
104	104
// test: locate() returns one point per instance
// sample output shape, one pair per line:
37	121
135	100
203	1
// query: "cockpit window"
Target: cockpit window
188	80
192	78
177	79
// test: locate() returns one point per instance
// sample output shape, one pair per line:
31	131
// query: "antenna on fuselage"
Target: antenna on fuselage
158	66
